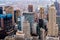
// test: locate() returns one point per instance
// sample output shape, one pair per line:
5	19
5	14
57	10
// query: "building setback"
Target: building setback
52	26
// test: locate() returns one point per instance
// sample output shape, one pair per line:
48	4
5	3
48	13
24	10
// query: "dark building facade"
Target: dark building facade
1	10
57	7
30	8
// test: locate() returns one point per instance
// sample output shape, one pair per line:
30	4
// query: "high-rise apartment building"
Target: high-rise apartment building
30	17
52	26
57	6
2	21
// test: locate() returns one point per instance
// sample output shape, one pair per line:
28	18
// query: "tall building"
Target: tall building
1	10
41	15
56	3
26	29
34	29
42	34
9	9
9	24
20	21
2	21
6	25
52	26
58	22
30	8
30	17
36	17
47	12
16	15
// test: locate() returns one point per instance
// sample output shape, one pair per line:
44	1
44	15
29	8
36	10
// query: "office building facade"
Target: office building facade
52	26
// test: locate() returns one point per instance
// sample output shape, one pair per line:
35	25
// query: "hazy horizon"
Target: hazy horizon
24	3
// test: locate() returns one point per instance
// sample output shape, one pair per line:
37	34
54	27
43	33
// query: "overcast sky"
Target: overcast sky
27	1
23	3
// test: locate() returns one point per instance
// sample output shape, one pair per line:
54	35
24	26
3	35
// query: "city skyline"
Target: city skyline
26	2
40	2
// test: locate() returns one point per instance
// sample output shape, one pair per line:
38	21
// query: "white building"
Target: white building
52	26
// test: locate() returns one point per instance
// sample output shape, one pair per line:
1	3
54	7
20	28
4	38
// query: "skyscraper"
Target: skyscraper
52	26
26	29
30	17
57	7
20	21
41	13
30	8
16	15
9	9
2	21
